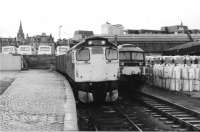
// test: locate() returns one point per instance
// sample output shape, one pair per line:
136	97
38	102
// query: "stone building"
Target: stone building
109	29
82	34
42	39
63	42
7	42
175	29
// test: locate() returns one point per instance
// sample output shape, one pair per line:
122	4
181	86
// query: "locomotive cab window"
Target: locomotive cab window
83	54
137	56
111	54
124	56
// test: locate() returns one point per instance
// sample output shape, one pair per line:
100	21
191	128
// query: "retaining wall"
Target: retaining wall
10	62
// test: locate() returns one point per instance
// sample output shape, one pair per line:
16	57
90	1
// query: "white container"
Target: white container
167	76
176	79
191	78
161	69
155	74
197	80
185	78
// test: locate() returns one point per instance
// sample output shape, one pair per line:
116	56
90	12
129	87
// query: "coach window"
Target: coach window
111	54
83	54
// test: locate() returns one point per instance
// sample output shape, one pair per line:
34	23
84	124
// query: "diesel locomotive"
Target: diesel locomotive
93	67
132	65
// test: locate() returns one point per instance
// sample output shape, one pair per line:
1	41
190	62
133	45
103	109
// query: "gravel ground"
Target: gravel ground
34	101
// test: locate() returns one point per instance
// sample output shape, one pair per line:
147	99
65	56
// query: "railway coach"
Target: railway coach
93	66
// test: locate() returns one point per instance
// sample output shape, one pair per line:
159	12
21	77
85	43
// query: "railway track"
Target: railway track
107	118
180	118
124	116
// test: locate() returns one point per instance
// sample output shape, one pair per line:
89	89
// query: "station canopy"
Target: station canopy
191	48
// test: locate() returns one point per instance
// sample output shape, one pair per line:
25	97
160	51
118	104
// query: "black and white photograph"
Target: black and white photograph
99	65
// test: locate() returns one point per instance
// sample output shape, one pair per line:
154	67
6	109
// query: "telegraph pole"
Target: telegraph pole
115	40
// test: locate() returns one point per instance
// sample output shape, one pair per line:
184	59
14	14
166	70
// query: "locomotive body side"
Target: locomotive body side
70	65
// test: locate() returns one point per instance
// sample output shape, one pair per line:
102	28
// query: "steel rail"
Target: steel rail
127	118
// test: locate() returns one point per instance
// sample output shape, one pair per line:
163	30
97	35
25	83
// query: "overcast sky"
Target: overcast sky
39	16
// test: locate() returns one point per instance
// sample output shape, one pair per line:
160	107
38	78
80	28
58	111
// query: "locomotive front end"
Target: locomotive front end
96	71
132	66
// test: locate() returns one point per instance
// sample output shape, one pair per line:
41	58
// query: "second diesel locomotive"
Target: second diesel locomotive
132	65
93	66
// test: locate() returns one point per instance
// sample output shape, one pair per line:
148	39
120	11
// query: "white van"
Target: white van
9	50
44	50
60	50
25	50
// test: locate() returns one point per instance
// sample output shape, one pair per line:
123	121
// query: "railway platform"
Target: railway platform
174	97
38	100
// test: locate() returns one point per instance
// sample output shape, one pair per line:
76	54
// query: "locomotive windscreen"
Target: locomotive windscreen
137	56
111	54
124	56
130	55
83	55
97	50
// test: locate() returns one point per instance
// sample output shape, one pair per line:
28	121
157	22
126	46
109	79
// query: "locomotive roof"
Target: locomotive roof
84	42
129	47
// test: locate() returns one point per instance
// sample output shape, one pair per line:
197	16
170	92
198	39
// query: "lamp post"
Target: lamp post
59	31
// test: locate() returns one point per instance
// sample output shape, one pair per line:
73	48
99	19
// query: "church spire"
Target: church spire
20	34
181	23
